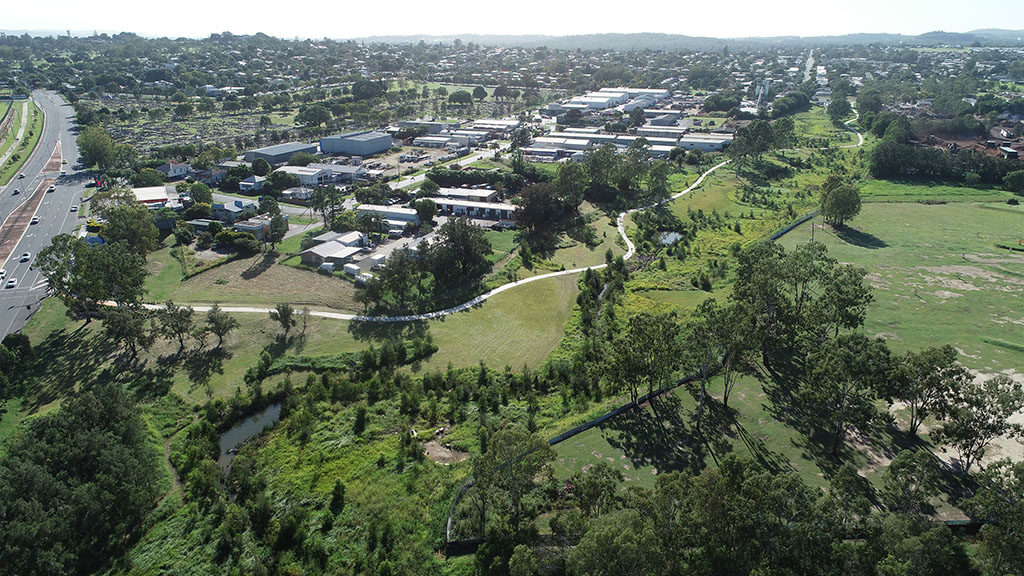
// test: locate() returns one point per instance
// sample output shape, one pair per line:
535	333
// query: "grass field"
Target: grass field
33	132
815	124
888	191
663	438
937	276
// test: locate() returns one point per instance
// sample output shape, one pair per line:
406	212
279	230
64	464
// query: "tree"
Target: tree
761	287
327	201
1014	182
926	382
177	322
911	481
843	302
84	276
260	167
839	203
183	110
426	209
76	484
127	325
979	415
184	234
200	193
571	181
220	323
636	117
657	179
147	177
132	224
460	97
838	109
843	378
96	147
508	473
999	503
313	115
285	315
522	562
278	228
539	207
617	544
596	490
460	252
337	498
479	93
647	353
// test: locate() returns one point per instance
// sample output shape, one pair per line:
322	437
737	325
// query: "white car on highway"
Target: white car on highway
12	283
35	220
3	273
26	257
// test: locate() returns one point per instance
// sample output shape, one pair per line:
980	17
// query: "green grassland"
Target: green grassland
12	134
33	132
662	437
815	124
888	191
938	277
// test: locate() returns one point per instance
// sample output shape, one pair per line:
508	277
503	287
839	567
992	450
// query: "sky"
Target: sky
355	19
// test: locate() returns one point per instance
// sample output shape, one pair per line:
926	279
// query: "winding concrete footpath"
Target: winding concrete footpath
621	225
631	250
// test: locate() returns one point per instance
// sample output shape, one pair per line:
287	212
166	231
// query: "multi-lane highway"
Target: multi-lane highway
53	211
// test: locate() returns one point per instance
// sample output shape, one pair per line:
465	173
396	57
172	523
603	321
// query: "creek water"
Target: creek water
238	434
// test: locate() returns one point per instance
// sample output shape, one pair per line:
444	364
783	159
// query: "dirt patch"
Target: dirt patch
968	271
946	294
442	455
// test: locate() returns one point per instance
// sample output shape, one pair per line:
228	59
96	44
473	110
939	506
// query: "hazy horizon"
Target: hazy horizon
745	19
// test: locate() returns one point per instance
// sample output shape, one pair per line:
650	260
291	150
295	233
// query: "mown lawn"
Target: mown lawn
938	277
760	424
891	191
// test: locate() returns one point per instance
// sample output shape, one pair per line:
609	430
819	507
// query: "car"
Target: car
74	208
51	188
12	283
3	273
26	257
63	161
35	220
20	176
16	192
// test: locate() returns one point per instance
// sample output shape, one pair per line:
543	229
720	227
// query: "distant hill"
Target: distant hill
674	42
666	42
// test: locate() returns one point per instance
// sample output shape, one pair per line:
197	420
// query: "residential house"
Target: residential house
174	170
230	212
253	183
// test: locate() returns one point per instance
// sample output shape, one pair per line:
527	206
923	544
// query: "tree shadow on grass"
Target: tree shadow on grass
260	265
201	365
379	331
658	437
148	382
859	238
64	361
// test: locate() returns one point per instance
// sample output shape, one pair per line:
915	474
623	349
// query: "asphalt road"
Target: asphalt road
54	212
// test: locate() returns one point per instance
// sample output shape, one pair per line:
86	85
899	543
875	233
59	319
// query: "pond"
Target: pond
669	238
237	435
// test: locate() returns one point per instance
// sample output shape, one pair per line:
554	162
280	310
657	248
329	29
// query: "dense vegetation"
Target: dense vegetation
76	485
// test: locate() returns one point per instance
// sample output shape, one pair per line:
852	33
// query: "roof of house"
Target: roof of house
386	209
150	194
300	170
285	148
473	204
332	250
238	205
